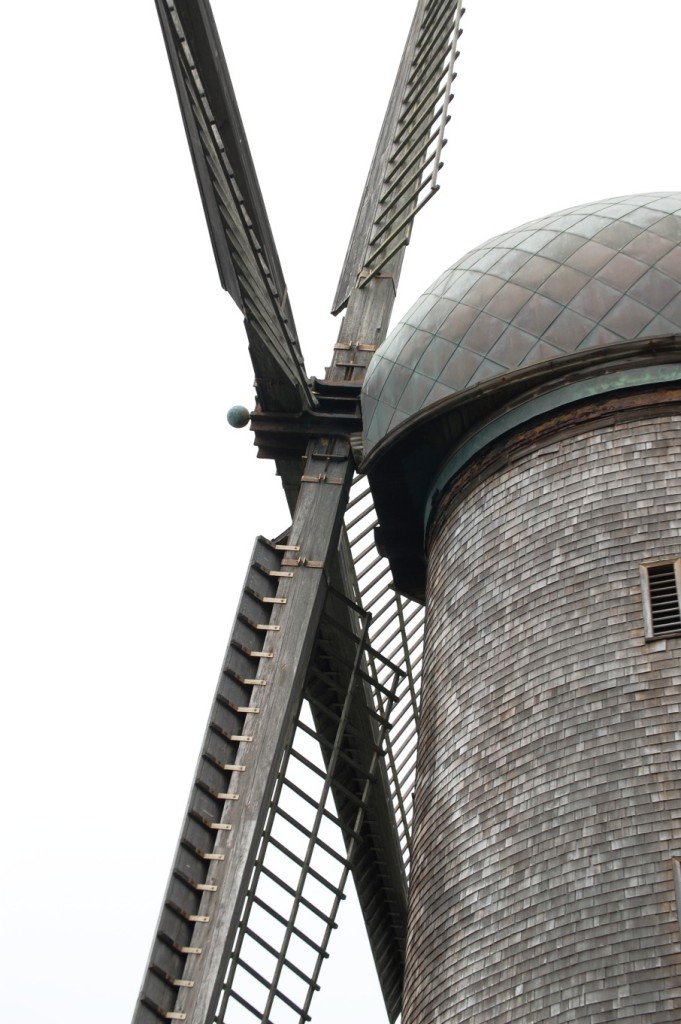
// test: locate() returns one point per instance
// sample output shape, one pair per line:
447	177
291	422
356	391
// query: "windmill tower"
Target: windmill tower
318	618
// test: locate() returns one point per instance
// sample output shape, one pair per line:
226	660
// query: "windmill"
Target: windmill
317	702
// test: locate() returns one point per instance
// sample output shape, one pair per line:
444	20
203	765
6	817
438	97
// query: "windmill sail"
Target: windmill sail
243	245
274	667
343	796
252	899
404	171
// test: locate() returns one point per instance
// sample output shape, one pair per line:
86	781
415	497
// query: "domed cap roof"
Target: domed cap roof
584	278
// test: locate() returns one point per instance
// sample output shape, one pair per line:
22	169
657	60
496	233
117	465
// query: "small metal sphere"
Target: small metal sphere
238	416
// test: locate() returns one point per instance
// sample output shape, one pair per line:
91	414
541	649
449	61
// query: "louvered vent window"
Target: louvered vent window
661	582
676	867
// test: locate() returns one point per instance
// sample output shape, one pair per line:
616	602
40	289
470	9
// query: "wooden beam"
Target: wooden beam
315	530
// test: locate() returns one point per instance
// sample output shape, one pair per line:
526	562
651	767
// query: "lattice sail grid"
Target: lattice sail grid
396	630
307	848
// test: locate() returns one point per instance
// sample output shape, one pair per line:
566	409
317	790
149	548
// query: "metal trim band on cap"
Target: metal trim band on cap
547	402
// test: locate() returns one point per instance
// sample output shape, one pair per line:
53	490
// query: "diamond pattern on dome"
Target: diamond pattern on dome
582	278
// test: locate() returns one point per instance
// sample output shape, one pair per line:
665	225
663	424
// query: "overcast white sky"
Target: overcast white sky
129	507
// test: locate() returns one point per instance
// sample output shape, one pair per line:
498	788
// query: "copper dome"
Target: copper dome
584	278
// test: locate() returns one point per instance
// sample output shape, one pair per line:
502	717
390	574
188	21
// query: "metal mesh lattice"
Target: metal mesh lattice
396	630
